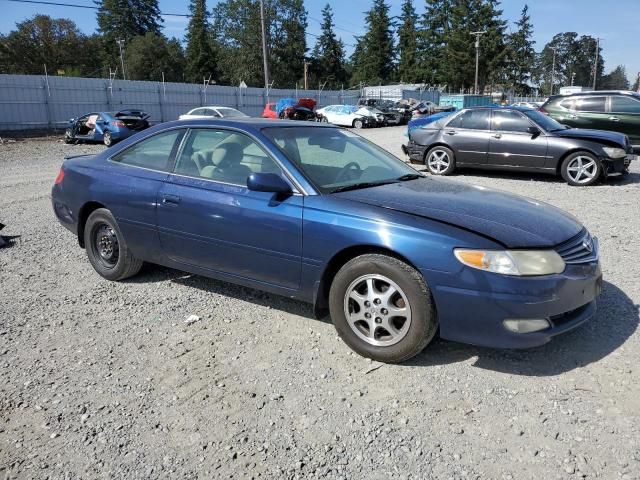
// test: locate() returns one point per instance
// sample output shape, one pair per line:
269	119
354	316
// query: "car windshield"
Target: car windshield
547	123
230	112
337	160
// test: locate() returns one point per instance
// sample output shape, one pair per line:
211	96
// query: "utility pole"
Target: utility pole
264	47
553	69
120	43
477	34
306	69
595	65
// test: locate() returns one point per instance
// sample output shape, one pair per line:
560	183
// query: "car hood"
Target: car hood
597	135
514	221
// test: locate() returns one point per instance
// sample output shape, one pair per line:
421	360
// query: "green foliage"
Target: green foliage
408	44
328	59
434	30
150	55
373	57
238	32
58	43
615	80
200	57
520	55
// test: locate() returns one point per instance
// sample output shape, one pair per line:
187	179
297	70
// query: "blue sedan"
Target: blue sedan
319	214
106	127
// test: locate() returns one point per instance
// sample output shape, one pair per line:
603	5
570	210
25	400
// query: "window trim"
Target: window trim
172	155
522	115
296	187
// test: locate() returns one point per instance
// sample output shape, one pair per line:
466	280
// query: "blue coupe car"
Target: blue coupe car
317	213
106	127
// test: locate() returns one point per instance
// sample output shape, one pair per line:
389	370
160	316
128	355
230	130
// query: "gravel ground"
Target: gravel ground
106	380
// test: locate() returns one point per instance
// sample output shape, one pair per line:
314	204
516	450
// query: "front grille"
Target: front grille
579	249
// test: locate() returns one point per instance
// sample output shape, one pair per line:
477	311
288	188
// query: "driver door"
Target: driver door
208	218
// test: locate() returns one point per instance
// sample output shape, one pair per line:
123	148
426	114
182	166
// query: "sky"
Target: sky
617	26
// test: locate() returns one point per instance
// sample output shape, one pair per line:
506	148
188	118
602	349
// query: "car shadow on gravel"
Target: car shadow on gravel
155	273
615	321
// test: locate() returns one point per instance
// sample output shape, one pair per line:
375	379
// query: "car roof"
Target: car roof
599	92
247	123
500	107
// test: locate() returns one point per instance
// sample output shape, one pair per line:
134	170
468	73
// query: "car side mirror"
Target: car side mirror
534	131
267	182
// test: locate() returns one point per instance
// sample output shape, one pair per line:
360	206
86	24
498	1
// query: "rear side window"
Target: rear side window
509	121
154	153
621	104
590	104
472	120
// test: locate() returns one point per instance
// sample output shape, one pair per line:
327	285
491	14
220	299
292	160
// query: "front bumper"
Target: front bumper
617	166
414	151
473	311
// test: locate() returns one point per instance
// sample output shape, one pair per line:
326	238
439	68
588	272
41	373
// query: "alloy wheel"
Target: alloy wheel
377	310
582	169
438	161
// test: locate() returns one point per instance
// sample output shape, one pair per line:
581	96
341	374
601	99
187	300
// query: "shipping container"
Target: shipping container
464	101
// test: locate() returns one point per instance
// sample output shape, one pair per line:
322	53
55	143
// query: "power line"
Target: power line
58	4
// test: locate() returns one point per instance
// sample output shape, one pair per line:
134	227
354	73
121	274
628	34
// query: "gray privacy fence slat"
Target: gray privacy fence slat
38	102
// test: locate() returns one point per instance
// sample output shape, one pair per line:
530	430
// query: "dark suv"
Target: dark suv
618	111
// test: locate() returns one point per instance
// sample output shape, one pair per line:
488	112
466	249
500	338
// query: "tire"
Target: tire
324	119
68	136
440	161
102	234
581	169
414	328
107	139
357	123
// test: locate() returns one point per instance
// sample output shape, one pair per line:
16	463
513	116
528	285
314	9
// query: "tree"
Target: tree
467	16
520	54
373	57
149	56
328	53
636	86
41	40
615	80
123	20
200	59
408	44
287	34
432	38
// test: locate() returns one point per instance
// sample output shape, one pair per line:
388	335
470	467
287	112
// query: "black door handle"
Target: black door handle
170	199
451	132
497	135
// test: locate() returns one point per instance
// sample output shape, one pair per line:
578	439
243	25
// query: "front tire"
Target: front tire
382	308
68	136
358	124
107	249
581	169
440	161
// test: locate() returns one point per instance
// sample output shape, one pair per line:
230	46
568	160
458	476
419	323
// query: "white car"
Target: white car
212	112
347	116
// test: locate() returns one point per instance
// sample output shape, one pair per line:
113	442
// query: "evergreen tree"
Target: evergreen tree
615	80
150	55
469	16
287	35
373	58
636	86
408	44
328	54
520	55
434	29
200	58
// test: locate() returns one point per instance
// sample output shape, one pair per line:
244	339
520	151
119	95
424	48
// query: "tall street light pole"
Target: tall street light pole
264	48
121	44
477	34
553	69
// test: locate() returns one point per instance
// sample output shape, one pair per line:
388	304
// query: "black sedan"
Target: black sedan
522	139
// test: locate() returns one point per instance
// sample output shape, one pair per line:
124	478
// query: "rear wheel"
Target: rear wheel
106	247
440	161
68	136
581	169
107	139
382	308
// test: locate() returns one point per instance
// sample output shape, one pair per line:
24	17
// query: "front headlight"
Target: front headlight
512	262
613	152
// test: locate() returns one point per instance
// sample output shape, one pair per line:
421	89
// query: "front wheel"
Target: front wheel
358	124
106	247
382	308
581	169
440	161
107	139
68	136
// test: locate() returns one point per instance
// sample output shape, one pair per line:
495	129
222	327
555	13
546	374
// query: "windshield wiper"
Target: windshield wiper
410	176
358	186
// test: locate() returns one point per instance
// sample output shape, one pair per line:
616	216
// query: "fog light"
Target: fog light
527	326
